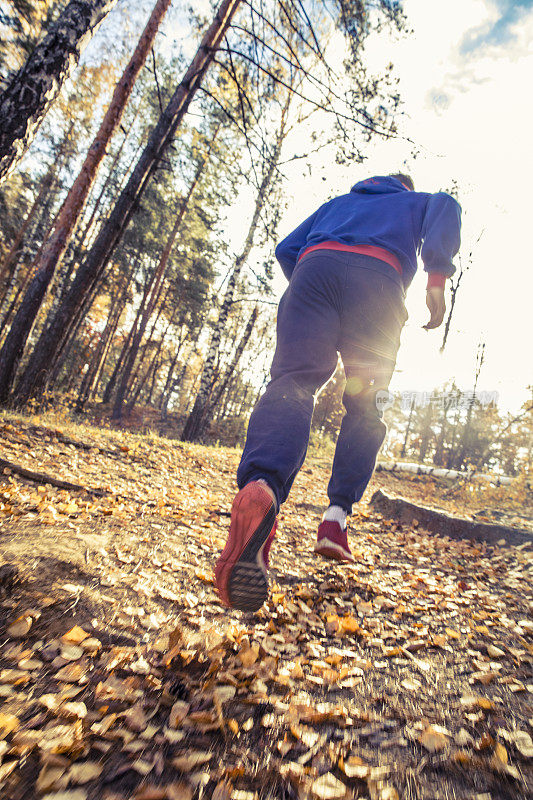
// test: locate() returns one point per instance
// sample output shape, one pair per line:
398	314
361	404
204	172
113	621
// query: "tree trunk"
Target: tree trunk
34	378
152	370
143	350
71	209
25	101
91	377
215	397
466	437
8	265
194	425
155	286
408	429
112	382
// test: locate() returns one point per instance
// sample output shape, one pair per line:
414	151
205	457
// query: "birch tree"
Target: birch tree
29	93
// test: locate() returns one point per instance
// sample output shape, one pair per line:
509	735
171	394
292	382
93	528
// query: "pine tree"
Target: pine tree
73	204
53	339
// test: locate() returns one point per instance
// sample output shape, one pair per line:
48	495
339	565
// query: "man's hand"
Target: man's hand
437	306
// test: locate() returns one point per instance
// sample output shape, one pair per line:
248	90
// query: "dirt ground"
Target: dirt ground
405	675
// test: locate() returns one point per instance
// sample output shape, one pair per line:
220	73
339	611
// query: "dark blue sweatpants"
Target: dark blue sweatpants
336	302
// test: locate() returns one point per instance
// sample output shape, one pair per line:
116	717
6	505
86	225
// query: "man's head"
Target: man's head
405	179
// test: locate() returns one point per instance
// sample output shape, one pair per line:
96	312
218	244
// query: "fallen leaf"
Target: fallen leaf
84	772
75	635
328	787
56	739
8	724
178	712
135	718
20	627
433	739
48	777
520	739
248	655
355	767
411	684
71	673
71	652
452	634
499	758
189	761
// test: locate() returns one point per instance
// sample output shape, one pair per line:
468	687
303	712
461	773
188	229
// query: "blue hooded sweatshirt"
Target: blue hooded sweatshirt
382	212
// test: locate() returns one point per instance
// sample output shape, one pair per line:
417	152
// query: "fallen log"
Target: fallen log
445	524
439	472
43	478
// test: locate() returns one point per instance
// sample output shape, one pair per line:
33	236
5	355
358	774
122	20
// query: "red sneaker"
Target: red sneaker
241	571
332	542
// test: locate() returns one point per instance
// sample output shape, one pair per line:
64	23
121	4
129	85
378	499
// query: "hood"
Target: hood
379	184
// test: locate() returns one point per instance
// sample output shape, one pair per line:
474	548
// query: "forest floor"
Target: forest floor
405	675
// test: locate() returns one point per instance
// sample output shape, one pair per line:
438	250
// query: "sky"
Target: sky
465	75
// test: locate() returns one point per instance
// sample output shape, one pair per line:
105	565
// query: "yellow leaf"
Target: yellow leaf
204	575
462	757
349	624
452	634
500	757
8	723
75	635
222	791
482	629
355	767
297	671
248	655
389	652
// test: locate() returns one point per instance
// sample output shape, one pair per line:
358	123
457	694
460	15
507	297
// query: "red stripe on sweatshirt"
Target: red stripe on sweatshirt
363	249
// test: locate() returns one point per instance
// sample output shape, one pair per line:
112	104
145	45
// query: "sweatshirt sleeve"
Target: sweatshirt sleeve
288	249
441	235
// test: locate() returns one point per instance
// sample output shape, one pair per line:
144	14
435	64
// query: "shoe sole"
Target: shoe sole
333	551
240	574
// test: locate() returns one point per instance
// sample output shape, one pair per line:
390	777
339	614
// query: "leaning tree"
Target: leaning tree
29	93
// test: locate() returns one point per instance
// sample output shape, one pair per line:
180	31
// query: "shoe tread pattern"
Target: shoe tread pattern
247	586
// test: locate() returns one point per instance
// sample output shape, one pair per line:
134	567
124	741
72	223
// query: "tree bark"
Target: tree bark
31	91
71	209
34	378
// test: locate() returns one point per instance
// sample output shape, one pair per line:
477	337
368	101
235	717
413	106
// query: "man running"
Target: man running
348	265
